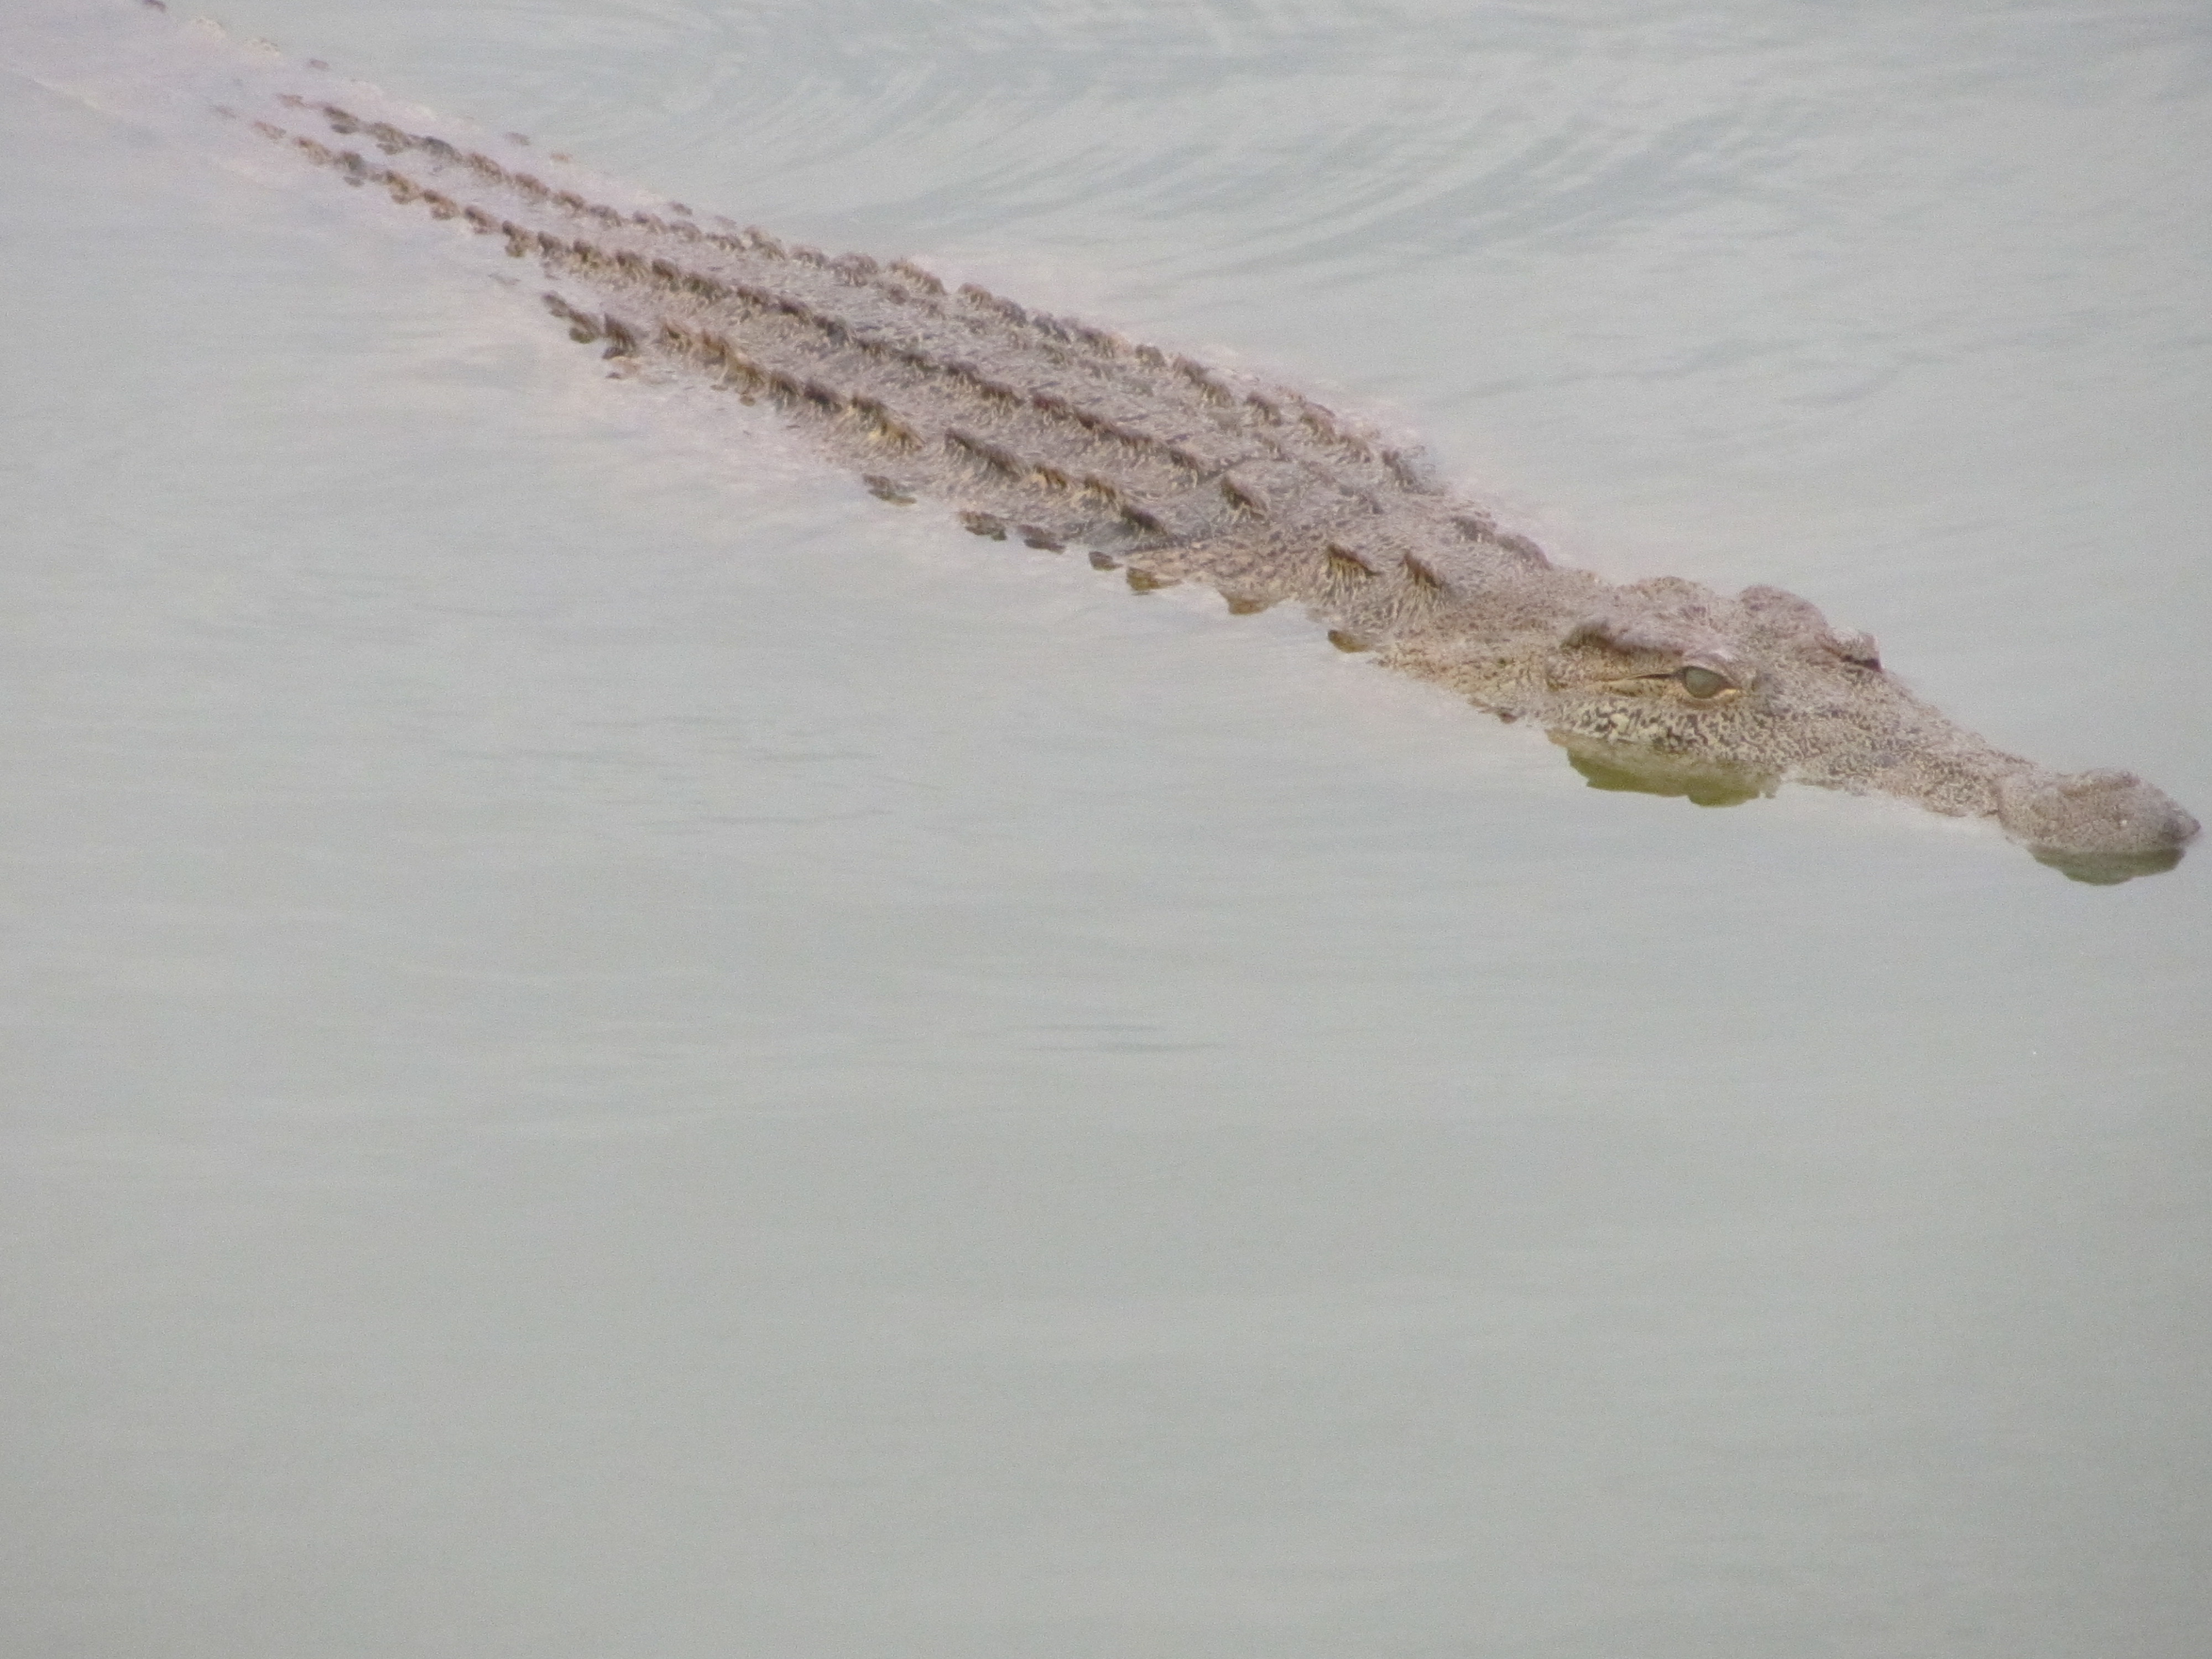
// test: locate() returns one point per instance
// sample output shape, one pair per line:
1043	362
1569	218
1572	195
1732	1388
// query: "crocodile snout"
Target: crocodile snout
2097	826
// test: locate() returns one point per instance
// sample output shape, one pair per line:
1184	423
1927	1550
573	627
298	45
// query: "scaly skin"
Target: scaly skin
1056	433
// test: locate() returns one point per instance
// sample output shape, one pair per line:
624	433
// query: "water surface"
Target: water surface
618	1048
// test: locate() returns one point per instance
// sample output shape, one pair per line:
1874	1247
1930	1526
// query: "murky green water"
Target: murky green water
615	1049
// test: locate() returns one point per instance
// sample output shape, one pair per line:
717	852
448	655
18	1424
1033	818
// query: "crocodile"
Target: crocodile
1054	434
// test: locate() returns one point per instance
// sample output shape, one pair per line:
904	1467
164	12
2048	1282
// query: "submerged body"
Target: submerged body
1059	435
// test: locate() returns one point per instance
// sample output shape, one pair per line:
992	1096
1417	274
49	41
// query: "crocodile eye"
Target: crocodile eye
1703	682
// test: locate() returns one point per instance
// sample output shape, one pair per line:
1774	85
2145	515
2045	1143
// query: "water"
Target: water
615	1049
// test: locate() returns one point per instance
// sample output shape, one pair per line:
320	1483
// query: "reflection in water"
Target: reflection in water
1634	768
2107	869
1631	767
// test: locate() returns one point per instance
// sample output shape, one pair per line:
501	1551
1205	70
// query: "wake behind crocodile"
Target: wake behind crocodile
1058	434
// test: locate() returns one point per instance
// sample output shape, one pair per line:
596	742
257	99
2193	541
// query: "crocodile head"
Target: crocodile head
1670	686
